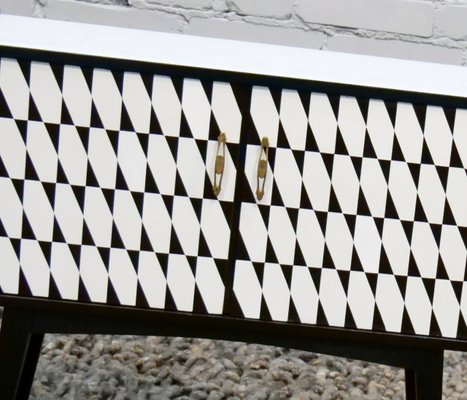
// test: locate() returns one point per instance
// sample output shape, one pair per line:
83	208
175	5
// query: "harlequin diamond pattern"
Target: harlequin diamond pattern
363	223
106	181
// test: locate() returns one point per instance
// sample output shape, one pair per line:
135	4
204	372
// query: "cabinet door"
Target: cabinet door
106	186
363	223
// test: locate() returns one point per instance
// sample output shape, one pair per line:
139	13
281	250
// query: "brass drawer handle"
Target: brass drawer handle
219	164
262	168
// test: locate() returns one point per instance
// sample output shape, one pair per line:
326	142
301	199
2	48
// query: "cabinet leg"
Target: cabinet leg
19	353
425	381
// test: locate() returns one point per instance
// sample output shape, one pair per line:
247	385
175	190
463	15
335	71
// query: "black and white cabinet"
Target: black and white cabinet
196	187
363	220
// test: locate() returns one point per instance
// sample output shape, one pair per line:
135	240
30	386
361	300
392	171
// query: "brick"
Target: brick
250	32
400	16
263	8
395	49
112	15
187	4
107	2
17	7
451	21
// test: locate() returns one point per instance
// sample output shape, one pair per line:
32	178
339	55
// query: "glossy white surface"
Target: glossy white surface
228	55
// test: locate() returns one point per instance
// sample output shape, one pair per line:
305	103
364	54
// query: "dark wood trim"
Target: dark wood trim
424	380
105	319
26	320
20	350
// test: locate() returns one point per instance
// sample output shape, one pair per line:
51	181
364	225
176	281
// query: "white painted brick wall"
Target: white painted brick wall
264	8
451	21
426	30
112	15
240	30
399	16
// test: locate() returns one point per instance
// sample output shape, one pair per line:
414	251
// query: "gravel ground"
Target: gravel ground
131	367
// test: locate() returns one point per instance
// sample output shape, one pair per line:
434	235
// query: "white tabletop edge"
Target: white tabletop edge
230	55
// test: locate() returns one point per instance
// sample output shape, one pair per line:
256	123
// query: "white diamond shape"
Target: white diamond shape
210	285
367	243
247	289
304	295
11	209
431	193
68	214
186	225
162	164
157	222
98	216
166	105
14	88
132	161
264	114
282	235
127	219
464	301
38	210
288	178
402	189
191	167
196	108
310	238
72	155
35	268
12	149
339	241
226	111
332	297
76	95
276	292
107	98
254	232
181	282
361	300
123	276
390	302
152	279
137	101
453	252
396	246
438	135
9	273
102	158
418	306
457	193
45	92
446	308
215	228
380	129
323	122
42	152
345	183
294	119
64	271
409	133
316	181
352	125
374	186
425	249
460	138
93	274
